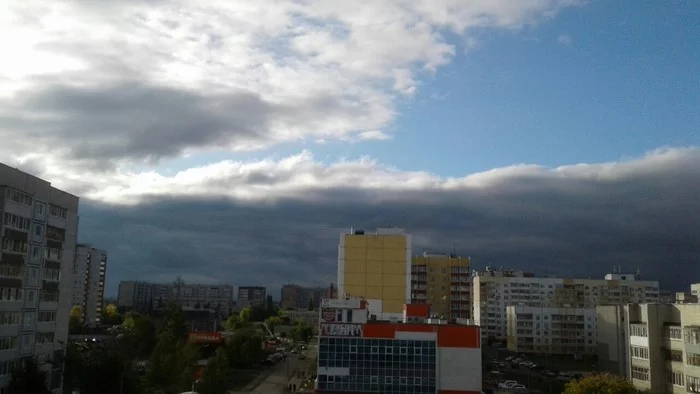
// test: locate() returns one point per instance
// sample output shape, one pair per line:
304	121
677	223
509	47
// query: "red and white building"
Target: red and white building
417	356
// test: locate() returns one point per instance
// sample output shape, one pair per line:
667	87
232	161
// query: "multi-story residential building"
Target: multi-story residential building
134	295
37	242
411	356
298	297
444	282
89	270
216	298
551	330
310	318
251	296
663	342
376	266
493	291
610	335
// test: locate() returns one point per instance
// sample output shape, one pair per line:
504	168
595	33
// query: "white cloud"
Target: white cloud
564	39
293	56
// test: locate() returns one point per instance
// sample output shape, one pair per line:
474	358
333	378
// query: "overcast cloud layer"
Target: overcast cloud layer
98	91
272	222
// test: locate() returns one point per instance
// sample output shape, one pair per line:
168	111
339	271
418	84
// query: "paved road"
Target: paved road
278	377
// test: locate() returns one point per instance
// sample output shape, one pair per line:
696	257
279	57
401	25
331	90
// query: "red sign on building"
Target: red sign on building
206	337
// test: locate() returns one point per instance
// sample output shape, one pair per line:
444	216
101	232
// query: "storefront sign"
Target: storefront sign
206	337
329	315
340	304
341	330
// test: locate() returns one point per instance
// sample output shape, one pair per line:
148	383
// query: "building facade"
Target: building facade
249	296
195	297
360	356
38	235
663	342
493	291
376	266
137	296
89	270
298	297
551	330
610	334
442	281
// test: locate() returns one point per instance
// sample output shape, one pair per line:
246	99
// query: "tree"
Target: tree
232	322
28	379
273	321
174	320
302	332
215	378
139	336
163	372
244	348
110	315
245	315
187	359
602	384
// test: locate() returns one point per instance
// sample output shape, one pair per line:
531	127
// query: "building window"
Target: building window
692	384
640	373
639	352
693	359
675	378
44	337
692	335
55	210
10	294
8	342
47	317
9	318
674	355
638	330
674	332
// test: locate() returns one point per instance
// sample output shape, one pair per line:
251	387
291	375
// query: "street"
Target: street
277	380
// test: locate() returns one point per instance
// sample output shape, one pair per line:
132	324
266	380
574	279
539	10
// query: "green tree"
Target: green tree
111	316
601	384
138	336
233	322
215	378
28	379
244	348
75	325
187	359
174	320
273	321
245	315
302	332
163	372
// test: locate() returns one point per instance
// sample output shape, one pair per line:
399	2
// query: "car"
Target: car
507	384
509	358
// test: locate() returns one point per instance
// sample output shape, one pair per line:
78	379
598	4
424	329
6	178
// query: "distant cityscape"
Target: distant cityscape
386	300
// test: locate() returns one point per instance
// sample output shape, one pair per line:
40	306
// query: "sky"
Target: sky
233	141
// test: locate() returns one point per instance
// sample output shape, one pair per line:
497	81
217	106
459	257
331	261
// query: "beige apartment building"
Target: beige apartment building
444	282
551	330
662	343
494	290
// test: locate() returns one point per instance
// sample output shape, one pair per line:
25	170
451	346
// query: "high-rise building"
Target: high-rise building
249	296
494	290
662	343
38	237
89	272
136	296
569	331
195	297
444	282
376	266
298	297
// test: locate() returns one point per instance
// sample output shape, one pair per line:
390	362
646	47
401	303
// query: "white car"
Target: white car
507	384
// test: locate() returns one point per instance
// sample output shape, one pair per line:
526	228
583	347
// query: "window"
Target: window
37	230
9	318
674	355
674	332
48	296
53	274
389	350
640	373
417	381
639	352
16	221
692	384
10	294
638	330
11	270
28	321
47	317
19	197
55	210
403	381
675	378
8	343
44	337
692	335
692	359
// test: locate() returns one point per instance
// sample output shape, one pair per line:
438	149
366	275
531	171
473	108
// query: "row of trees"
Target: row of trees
110	316
602	384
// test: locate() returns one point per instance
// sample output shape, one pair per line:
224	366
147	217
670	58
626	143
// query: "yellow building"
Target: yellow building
444	282
376	266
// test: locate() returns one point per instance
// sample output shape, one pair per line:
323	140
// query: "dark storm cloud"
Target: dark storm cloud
644	220
147	122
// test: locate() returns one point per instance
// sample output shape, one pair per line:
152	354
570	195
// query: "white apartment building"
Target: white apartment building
89	271
217	298
663	346
493	291
37	243
551	330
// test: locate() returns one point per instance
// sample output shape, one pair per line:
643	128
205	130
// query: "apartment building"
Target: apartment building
663	342
251	296
570	331
376	266
89	270
195	297
297	297
37	245
444	282
134	295
494	290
